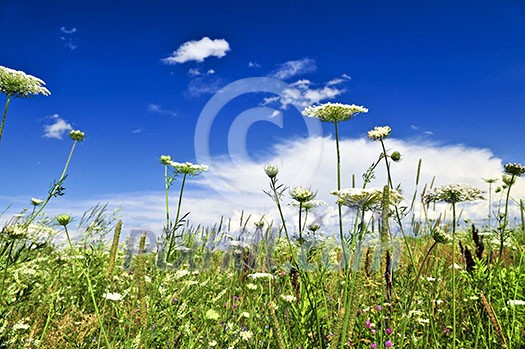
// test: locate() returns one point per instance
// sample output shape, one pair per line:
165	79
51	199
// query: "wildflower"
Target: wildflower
20	326
395	156
245	314
389	344
440	236
165	159
302	195
373	346
63	219
288	298
259	225
251	286
314	227
77	135
453	193
112	296
368	324
514	169
212	315
309	205
246	335
188	168
388	331
213	343
36	202
379	307
181	273
271	170
261	275
368	199
333	112
19	84
514	302
379	132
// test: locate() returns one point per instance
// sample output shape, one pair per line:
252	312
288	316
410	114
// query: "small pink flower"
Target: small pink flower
373	346
379	308
389	331
368	324
235	298
374	331
389	344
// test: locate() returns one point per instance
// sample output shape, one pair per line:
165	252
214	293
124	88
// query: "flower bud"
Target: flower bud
395	156
77	135
36	202
63	219
271	170
165	159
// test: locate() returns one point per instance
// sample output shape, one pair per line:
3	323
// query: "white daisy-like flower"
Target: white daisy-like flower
515	302
245	314
333	112
246	335
251	286
112	296
379	132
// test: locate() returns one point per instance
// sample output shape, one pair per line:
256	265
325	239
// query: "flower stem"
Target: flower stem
176	223
454	274
505	220
167	187
5	115
55	188
300	225
340	214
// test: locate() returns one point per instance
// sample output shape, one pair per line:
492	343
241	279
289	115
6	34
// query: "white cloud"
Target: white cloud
210	72
303	93
194	72
230	190
253	65
136	131
198	50
58	128
290	69
68	38
156	108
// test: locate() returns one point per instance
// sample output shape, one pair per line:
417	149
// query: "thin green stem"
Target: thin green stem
55	188
339	208
300	225
176	223
5	115
505	220
167	187
454	274
387	165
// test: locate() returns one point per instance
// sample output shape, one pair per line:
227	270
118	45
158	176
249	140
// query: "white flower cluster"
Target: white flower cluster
19	84
261	275
379	132
453	193
333	112
514	169
183	168
309	205
112	296
302	195
288	298
367	199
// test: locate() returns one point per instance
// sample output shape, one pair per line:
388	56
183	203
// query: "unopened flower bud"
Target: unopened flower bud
395	156
271	170
36	202
63	219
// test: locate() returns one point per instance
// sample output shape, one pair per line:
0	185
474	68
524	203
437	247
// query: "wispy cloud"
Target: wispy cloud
290	69
204	85
303	93
193	72
136	131
253	64
58	128
68	38
157	108
198	50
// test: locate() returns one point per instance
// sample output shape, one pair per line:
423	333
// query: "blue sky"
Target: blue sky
440	73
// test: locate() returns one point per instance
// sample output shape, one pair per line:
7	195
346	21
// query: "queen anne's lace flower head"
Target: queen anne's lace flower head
19	84
367	199
188	168
440	236
379	132
302	195
165	159
453	193
514	169
77	135
333	112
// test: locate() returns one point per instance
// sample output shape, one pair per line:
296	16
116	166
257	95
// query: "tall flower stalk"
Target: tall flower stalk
453	194
17	84
185	169
335	113
302	197
57	188
513	170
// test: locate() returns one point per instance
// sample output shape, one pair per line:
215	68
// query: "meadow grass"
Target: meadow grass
385	278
